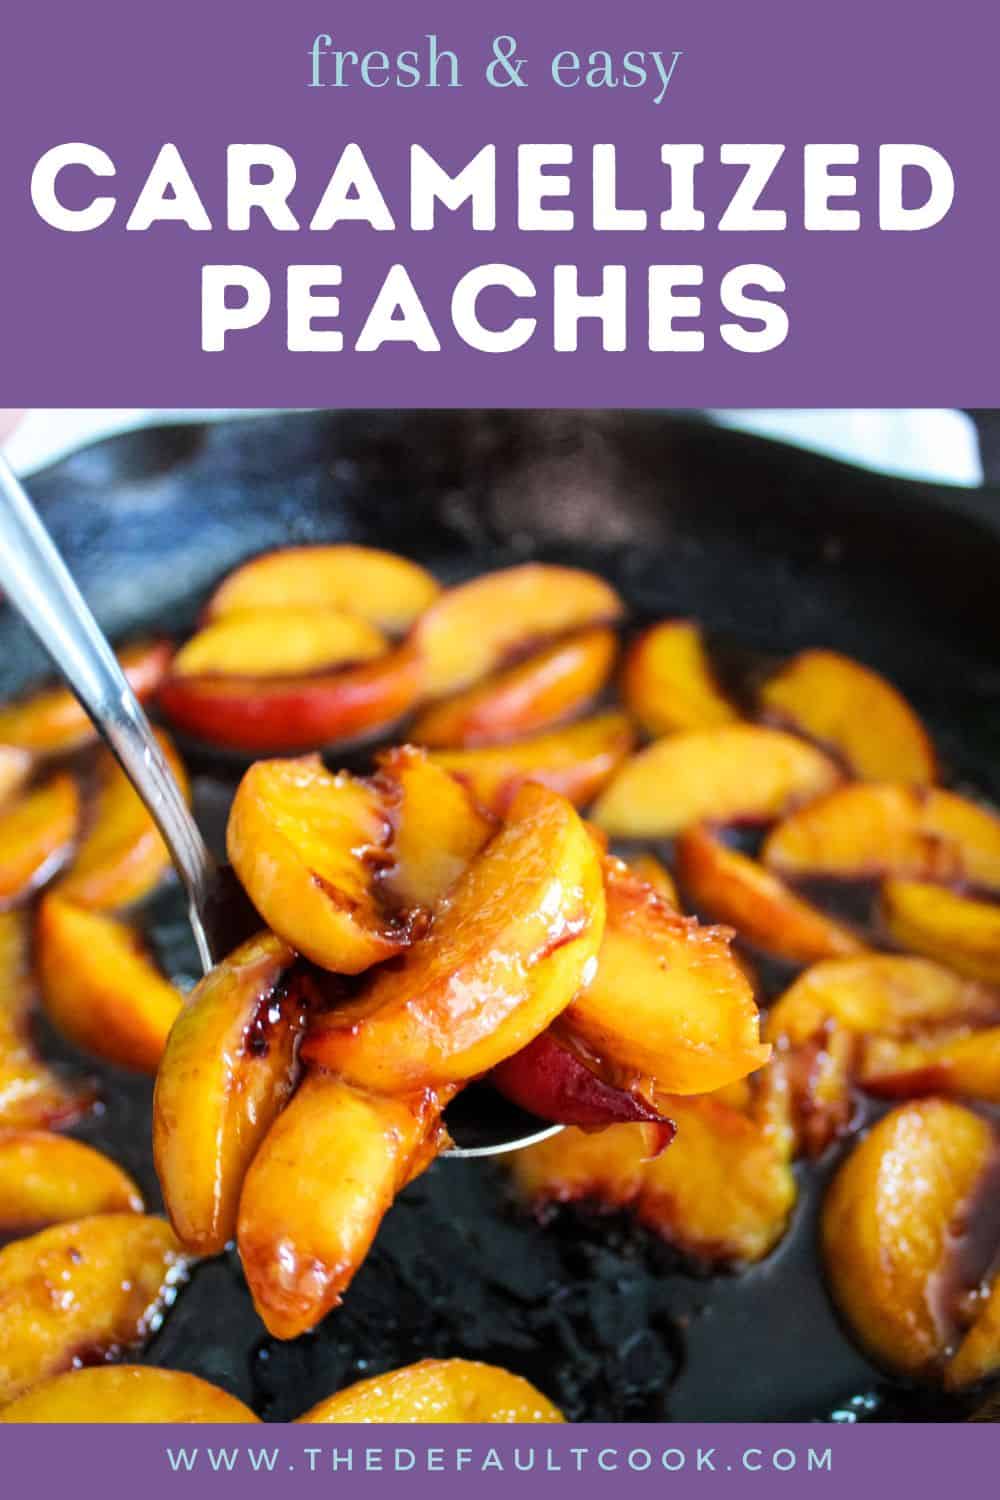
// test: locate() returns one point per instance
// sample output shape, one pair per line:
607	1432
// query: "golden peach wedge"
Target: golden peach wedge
668	683
721	1192
99	987
436	828
80	1291
855	712
511	945
53	723
919	833
890	1225
941	924
978	1354
317	1191
46	1179
656	875
308	847
733	888
126	1394
965	1063
737	774
668	1004
37	834
278	643
545	688
228	1069
575	761
15	767
438	1390
32	1095
478	627
122	856
384	589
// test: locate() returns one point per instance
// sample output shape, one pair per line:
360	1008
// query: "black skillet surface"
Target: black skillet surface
772	549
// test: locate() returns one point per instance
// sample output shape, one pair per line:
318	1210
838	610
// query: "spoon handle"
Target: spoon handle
39	585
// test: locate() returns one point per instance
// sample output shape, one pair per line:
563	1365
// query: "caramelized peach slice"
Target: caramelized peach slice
978	1355
855	712
99	987
549	1078
967	1063
515	939
954	929
126	1394
551	685
259	714
890	1222
227	1071
80	1291
656	875
279	643
308	846
318	1188
122	856
921	833
31	1094
53	723
479	626
386	590
47	1179
438	1390
668	684
576	762
721	1192
436	827
37	832
742	773
668	1003
733	888
15	767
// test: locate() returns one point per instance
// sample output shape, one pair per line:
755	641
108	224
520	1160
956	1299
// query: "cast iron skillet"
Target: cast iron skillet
773	550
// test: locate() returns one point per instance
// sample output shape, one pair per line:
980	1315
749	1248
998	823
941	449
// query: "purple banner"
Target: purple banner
888	312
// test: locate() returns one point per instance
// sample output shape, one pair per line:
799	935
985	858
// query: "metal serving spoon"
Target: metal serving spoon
41	588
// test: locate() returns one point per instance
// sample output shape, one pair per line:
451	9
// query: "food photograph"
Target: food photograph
499	916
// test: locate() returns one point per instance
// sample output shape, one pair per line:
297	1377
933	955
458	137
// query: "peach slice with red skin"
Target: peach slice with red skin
37	834
548	1078
228	1069
32	1095
855	712
512	943
99	987
941	924
384	589
308	846
733	888
575	761
545	688
51	722
80	1291
279	714
480	626
871	829
722	1193
669	1009
126	1394
890	1224
741	773
288	642
320	1184
122	856
668	683
46	1179
438	1390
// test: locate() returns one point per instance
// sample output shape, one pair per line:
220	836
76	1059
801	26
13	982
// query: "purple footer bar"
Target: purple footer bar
683	1459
